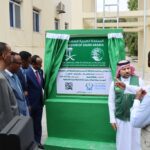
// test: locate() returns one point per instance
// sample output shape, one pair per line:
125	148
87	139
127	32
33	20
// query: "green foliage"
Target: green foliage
132	4
131	39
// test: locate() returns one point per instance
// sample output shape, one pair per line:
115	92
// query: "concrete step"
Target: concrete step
54	143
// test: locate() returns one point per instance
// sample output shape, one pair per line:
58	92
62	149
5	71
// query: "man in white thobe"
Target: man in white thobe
140	112
120	103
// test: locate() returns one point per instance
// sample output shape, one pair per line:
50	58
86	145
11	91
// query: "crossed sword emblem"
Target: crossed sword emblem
68	54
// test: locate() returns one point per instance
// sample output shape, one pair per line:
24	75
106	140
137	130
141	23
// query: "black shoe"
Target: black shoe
40	146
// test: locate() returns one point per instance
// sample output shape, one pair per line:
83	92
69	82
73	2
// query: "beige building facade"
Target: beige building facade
24	22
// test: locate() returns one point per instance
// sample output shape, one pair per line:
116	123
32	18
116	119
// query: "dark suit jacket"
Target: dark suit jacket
23	83
35	90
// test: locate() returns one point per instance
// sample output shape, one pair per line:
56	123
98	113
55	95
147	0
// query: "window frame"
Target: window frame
12	18
36	27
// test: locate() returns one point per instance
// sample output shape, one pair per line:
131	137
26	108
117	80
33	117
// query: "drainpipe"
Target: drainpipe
95	15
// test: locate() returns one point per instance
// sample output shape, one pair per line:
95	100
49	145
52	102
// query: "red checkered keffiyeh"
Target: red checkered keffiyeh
123	63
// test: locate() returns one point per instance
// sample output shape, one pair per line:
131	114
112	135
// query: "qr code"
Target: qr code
68	85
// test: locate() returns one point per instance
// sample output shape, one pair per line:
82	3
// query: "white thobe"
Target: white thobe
127	137
140	117
140	113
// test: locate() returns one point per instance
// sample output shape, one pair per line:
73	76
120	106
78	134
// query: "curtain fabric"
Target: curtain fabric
55	48
116	50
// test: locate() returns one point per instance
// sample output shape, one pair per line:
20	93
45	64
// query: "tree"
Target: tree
132	4
131	39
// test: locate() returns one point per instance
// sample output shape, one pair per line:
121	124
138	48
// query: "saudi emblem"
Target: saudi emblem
97	54
69	56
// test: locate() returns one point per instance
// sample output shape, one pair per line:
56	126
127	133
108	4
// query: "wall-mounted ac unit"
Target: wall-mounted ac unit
60	8
18	1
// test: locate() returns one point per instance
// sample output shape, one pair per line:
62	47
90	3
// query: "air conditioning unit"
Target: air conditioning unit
18	1
60	8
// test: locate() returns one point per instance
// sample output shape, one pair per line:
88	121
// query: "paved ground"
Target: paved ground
44	127
139	72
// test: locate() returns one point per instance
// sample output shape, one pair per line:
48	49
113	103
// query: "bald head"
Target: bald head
5	54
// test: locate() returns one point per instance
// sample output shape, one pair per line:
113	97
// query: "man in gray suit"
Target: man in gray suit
10	74
8	104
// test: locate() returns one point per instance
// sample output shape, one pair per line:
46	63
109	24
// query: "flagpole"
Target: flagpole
144	40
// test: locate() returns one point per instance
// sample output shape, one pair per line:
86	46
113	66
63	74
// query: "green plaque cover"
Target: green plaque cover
87	52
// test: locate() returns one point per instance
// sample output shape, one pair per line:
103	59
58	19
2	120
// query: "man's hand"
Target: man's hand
140	94
25	93
114	126
120	84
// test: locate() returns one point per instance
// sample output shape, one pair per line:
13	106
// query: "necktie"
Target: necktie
24	73
17	82
38	77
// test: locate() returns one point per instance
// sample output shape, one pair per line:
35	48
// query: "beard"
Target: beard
127	75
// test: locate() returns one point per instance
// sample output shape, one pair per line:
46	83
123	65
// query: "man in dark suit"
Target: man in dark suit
8	103
26	60
35	96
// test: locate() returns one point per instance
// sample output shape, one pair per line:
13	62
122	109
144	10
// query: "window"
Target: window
66	25
57	24
36	20
14	12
